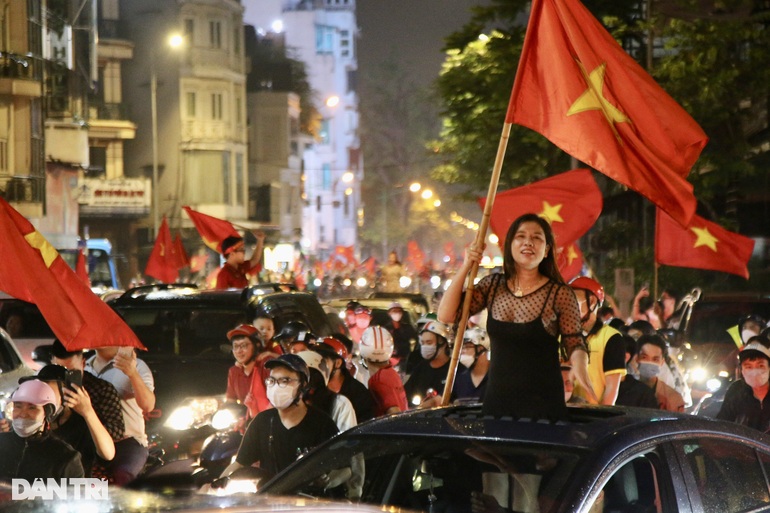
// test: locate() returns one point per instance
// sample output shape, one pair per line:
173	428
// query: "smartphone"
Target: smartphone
126	351
73	377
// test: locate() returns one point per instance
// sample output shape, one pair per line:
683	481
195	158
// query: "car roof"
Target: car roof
586	427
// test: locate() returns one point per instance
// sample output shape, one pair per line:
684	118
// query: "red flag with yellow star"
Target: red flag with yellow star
213	230
163	263
577	87
570	201
181	255
569	259
702	245
34	271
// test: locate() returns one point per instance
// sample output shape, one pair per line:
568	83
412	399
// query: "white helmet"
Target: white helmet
376	344
315	361
439	328
477	336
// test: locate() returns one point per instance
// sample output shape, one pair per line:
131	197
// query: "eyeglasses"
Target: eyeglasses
242	345
281	382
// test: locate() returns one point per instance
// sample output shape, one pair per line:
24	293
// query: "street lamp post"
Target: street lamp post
174	41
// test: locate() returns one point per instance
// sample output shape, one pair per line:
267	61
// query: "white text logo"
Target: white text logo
79	488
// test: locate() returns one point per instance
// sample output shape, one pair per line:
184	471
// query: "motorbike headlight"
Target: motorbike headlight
223	419
405	282
713	385
435	281
724	374
698	374
193	412
361	282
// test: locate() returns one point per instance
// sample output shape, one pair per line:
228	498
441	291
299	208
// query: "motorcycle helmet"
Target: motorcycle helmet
376	344
476	336
332	347
292	331
592	286
37	392
315	361
439	328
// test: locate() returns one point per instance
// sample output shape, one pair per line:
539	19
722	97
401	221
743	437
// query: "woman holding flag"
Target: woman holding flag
531	311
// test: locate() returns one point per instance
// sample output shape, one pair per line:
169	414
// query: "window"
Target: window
238	114
239	191
110	10
237	41
216	105
728	475
324	39
190	104
215	34
635	486
324	134
226	178
346	205
203	177
326	176
189	29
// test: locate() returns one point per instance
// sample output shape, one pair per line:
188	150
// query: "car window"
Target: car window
23	320
728	475
8	358
634	487
182	332
438	475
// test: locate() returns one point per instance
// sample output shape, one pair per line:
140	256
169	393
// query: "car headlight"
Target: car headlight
223	419
193	412
361	282
713	385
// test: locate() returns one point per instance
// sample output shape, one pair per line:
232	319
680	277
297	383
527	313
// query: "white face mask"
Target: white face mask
747	334
26	427
648	370
363	323
281	398
428	351
396	316
467	360
756	378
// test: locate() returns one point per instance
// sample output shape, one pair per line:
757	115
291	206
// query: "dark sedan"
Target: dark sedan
601	459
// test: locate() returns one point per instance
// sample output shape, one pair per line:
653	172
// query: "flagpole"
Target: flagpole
479	243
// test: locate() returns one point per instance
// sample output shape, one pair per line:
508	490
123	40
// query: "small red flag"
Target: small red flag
34	271
182	260
571	202
415	257
163	263
577	87
198	262
569	259
81	269
213	230
702	245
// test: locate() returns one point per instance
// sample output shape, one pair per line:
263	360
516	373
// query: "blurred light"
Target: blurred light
361	282
698	374
347	176
416	400
483	37
277	26
724	374
223	419
415	186
405	282
346	282
437	203
485	260
175	40
427	194
476	280
317	282
446	259
447	284
348	191
435	281
493	238
181	419
713	385
342	315
498	260
332	101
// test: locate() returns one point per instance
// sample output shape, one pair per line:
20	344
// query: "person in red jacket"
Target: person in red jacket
244	380
233	273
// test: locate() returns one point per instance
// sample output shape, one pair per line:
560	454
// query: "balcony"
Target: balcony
20	75
25	189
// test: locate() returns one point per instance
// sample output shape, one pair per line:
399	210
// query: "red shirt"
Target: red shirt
248	390
388	391
230	277
238	383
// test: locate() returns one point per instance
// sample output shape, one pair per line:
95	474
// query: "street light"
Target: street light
174	41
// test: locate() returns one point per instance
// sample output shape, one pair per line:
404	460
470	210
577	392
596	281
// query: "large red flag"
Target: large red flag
571	202
570	261
182	260
81	269
577	87
163	262
213	230
34	271
702	245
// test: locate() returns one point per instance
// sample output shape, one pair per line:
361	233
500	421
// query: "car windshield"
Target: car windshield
183	332
436	474
711	319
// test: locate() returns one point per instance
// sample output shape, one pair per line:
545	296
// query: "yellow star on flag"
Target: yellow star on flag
37	241
593	98
705	238
551	213
162	249
571	255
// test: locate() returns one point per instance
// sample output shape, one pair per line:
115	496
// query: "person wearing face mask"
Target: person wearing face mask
335	354
278	436
29	451
747	400
363	319
651	359
606	364
430	374
404	334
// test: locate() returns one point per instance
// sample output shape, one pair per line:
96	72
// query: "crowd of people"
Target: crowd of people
545	344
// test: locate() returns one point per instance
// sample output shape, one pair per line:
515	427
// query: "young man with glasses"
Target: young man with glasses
244	380
233	274
278	436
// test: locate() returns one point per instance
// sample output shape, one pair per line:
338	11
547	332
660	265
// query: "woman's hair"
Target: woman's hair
548	266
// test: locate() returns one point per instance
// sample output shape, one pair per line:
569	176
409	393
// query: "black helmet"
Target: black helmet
291	362
291	332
